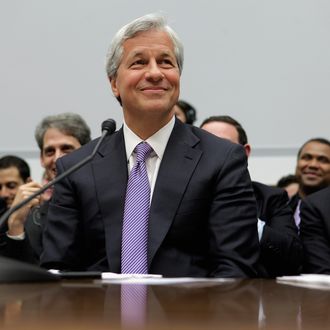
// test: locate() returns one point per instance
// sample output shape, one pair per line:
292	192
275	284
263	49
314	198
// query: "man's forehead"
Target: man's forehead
142	51
9	174
60	140
223	130
58	144
316	148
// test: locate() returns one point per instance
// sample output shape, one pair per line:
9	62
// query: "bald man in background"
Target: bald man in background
281	249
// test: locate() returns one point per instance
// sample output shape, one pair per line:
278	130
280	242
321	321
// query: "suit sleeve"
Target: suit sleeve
281	249
234	245
17	249
60	249
313	233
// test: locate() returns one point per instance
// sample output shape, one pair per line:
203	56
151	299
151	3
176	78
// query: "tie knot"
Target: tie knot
143	150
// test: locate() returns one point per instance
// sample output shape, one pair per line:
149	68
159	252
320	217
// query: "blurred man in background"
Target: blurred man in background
14	172
56	136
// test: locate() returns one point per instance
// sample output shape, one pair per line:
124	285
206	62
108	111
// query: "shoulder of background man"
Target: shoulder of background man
281	249
270	200
293	202
209	141
319	199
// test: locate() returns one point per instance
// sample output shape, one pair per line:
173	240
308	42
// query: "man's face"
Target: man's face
56	144
148	78
223	130
10	180
313	167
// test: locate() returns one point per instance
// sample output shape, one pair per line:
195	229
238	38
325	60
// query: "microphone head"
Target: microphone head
109	125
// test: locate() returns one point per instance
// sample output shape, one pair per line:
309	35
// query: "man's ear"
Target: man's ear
247	148
113	83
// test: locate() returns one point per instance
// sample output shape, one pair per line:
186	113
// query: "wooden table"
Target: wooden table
88	304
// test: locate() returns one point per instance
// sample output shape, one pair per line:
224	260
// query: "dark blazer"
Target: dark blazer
293	202
28	249
202	215
3	206
281	249
315	232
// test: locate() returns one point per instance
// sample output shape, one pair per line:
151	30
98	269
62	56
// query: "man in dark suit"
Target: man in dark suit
202	217
56	136
312	171
315	232
281	250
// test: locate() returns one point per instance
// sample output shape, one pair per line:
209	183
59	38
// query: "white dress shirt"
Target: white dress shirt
158	142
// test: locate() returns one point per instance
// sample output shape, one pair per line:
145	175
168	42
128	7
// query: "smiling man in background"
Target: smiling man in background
14	172
57	136
312	171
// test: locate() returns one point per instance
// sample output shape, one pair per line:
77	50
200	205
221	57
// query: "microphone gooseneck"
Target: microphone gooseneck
108	128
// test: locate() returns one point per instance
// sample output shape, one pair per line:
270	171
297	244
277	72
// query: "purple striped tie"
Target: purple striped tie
136	215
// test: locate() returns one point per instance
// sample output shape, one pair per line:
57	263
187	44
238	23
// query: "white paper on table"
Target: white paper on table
116	276
313	281
154	279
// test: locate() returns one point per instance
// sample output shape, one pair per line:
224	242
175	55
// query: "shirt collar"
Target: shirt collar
158	141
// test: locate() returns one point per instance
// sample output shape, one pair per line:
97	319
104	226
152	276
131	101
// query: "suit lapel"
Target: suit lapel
110	172
178	164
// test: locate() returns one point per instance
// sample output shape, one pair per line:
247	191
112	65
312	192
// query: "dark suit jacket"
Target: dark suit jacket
3	206
315	232
293	202
28	249
281	249
202	216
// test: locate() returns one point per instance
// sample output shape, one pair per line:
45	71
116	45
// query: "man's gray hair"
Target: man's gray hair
145	23
67	123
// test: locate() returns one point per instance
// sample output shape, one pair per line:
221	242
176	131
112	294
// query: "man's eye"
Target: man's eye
138	62
67	150
306	157
324	160
11	185
166	63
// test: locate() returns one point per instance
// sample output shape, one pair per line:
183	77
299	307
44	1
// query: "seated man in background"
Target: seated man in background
56	136
289	183
185	112
312	171
14	172
281	250
158	197
315	232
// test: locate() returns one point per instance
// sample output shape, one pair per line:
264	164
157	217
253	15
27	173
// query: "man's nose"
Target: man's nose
314	163
154	72
4	192
58	154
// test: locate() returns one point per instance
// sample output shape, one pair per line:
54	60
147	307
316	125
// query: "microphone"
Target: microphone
108	128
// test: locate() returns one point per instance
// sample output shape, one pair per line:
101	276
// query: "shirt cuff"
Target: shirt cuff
19	237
